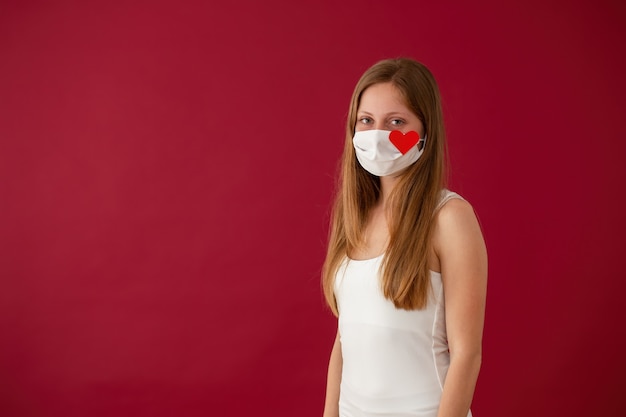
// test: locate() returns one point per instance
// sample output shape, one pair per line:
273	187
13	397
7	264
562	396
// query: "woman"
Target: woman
406	268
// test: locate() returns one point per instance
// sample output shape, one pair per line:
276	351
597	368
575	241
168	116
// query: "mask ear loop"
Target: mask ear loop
423	142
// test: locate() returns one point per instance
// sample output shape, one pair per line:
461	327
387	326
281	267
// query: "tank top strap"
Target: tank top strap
445	196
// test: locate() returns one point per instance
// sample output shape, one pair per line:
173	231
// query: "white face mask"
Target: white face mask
382	153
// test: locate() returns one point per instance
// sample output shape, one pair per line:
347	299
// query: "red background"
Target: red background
166	170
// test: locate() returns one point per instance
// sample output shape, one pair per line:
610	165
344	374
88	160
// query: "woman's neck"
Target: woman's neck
386	186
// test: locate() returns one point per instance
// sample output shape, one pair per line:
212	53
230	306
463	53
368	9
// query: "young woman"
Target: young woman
406	268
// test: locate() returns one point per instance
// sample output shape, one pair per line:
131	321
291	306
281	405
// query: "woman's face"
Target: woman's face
382	107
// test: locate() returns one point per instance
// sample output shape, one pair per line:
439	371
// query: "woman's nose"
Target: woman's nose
380	125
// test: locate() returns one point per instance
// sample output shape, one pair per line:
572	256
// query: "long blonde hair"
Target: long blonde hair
405	273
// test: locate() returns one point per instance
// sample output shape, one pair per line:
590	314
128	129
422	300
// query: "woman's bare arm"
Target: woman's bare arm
459	245
331	406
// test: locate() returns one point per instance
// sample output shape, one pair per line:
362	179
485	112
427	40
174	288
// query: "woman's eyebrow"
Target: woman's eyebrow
397	113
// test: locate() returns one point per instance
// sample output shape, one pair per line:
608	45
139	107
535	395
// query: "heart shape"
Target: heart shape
404	141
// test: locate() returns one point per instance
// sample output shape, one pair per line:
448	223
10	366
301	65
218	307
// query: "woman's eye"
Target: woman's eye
397	122
365	120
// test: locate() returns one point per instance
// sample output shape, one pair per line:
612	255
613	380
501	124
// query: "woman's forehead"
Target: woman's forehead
383	98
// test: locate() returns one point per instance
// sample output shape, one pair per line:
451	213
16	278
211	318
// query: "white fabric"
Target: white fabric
394	361
379	156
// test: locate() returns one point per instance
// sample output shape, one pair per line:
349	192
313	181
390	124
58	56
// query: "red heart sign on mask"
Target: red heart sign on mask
404	141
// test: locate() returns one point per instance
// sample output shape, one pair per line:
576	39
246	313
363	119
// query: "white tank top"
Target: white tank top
394	361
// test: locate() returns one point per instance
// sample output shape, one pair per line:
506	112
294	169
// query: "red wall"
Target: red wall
165	176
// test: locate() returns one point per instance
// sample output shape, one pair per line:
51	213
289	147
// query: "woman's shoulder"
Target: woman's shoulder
446	195
454	216
455	228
